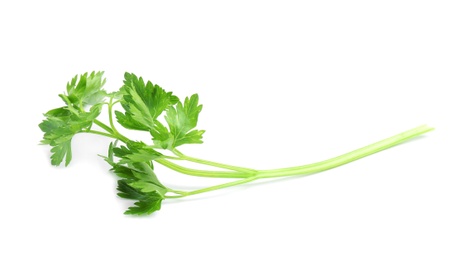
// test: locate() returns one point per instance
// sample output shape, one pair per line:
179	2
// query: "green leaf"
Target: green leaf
60	151
184	117
142	102
110	153
59	127
141	176
147	202
136	166
162	138
135	152
61	124
127	121
192	137
87	91
140	183
181	119
144	173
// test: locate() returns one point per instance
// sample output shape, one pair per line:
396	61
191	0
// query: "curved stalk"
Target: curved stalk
213	188
348	157
202	173
323	165
215	164
305	169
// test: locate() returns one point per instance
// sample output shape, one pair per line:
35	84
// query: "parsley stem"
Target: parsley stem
172	157
115	134
202	173
305	169
309	168
99	133
215	164
103	126
213	188
347	157
111	120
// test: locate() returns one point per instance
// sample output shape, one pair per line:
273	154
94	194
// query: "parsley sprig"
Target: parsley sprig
171	122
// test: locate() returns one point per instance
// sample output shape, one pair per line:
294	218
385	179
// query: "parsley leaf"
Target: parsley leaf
87	91
143	103
140	176
135	152
59	127
62	123
147	202
183	118
138	179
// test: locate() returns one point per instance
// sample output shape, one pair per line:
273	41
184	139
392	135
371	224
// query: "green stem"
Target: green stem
315	167
348	157
115	134
98	133
111	119
103	126
215	164
202	173
172	157
213	188
310	168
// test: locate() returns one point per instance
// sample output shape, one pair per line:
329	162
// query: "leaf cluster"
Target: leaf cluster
62	123
145	102
138	181
144	106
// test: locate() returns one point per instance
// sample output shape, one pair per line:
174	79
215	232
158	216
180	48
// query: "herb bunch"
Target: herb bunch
171	122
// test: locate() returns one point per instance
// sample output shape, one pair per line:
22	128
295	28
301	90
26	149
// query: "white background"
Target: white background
283	83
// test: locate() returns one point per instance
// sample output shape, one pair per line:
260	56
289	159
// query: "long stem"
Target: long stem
212	188
323	165
348	157
215	164
316	167
202	173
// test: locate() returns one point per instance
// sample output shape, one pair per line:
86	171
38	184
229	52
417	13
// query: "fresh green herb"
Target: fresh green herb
171	123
